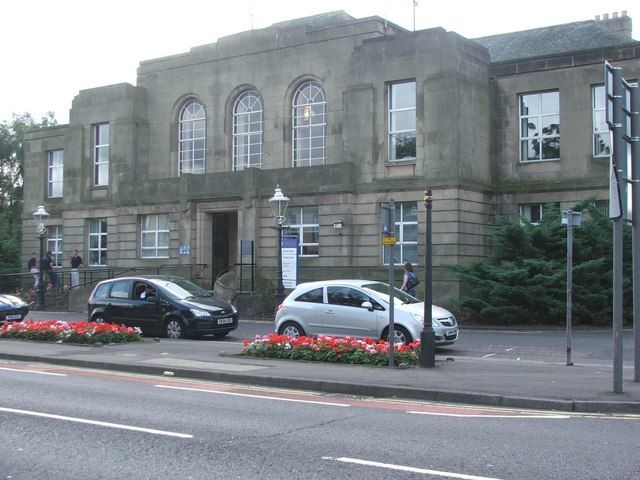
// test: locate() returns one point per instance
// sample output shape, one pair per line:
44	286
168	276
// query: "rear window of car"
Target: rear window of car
312	296
102	291
121	289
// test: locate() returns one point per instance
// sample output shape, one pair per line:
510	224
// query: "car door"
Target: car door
344	315
119	304
148	312
308	310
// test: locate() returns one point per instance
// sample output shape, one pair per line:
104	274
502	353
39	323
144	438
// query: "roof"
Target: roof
553	40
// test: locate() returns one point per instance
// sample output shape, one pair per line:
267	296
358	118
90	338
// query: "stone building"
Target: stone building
342	113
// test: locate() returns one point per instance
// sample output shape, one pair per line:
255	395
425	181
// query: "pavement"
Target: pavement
531	384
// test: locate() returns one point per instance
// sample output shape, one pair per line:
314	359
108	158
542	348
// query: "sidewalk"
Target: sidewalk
480	381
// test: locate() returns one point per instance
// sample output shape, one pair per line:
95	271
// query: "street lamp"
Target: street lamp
428	336
278	204
41	217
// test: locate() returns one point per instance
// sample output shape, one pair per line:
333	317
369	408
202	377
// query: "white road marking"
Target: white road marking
487	356
265	397
508	349
404	468
95	422
33	371
489	415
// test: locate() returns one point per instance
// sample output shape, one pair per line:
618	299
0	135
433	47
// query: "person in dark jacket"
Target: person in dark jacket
46	265
32	266
410	280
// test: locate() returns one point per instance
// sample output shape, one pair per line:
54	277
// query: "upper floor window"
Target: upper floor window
55	172
304	222
531	211
247	132
402	121
154	241
98	242
601	138
406	248
309	125
101	154
192	138
54	244
540	126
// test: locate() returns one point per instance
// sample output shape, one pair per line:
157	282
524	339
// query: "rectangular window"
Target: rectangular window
98	242
54	244
601	139
101	154
532	212
154	239
402	121
55	172
602	206
540	126
406	233
304	223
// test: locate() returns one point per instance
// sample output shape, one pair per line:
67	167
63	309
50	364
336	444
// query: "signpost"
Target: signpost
289	261
622	111
570	219
389	239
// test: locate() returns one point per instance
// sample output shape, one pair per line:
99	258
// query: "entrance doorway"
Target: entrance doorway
223	240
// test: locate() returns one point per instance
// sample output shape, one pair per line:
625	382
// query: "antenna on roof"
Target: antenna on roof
251	13
386	3
415	4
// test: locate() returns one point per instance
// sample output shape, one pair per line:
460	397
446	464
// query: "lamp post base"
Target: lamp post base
428	348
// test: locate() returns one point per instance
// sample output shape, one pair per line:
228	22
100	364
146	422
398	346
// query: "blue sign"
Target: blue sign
184	250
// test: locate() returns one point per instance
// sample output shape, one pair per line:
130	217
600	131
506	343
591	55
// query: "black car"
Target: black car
162	305
12	308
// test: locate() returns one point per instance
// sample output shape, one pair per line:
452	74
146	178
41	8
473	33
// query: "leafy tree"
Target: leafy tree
12	138
524	282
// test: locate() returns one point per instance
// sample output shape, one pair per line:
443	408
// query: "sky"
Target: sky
52	50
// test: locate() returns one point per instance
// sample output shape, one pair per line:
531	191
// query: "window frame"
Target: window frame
539	116
522	213
297	129
399	230
595	132
300	228
252	96
102	245
54	244
98	159
390	115
55	187
183	142
156	234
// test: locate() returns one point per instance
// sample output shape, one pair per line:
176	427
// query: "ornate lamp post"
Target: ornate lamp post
428	336
41	216
278	204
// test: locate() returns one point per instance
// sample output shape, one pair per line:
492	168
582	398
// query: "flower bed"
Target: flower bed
366	351
71	332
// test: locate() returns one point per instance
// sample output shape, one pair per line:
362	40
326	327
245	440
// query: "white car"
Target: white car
359	308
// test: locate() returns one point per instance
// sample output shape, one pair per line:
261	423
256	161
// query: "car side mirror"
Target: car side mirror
367	305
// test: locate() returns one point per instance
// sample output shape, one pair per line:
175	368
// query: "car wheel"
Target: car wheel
402	335
291	329
174	328
98	318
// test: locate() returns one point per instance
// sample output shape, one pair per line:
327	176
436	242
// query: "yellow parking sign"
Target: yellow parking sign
391	240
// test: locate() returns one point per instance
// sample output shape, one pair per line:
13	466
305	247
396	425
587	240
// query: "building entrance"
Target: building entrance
223	240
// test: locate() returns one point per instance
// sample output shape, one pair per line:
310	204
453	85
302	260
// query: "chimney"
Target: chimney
618	23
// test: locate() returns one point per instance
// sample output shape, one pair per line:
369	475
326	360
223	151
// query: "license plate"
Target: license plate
13	317
451	332
222	321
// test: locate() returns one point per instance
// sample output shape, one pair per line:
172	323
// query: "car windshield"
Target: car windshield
382	289
181	289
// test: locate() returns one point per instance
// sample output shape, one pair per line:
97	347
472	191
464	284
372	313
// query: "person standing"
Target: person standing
76	263
32	266
46	265
410	280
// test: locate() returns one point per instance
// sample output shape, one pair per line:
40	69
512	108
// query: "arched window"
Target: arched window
247	131
309	125
191	137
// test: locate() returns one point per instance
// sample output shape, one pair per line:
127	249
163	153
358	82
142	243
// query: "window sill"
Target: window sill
529	162
394	163
100	187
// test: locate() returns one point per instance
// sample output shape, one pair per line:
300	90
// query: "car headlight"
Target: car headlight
234	309
418	317
200	313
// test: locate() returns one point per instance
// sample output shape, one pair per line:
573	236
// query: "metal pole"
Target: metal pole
619	155
569	282
280	286
428	336
392	331
635	189
41	273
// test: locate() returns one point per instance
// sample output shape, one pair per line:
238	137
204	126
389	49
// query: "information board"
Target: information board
289	261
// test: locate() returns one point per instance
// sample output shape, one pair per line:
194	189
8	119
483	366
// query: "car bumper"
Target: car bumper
203	326
14	314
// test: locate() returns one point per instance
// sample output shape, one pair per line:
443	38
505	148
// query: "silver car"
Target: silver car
359	308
